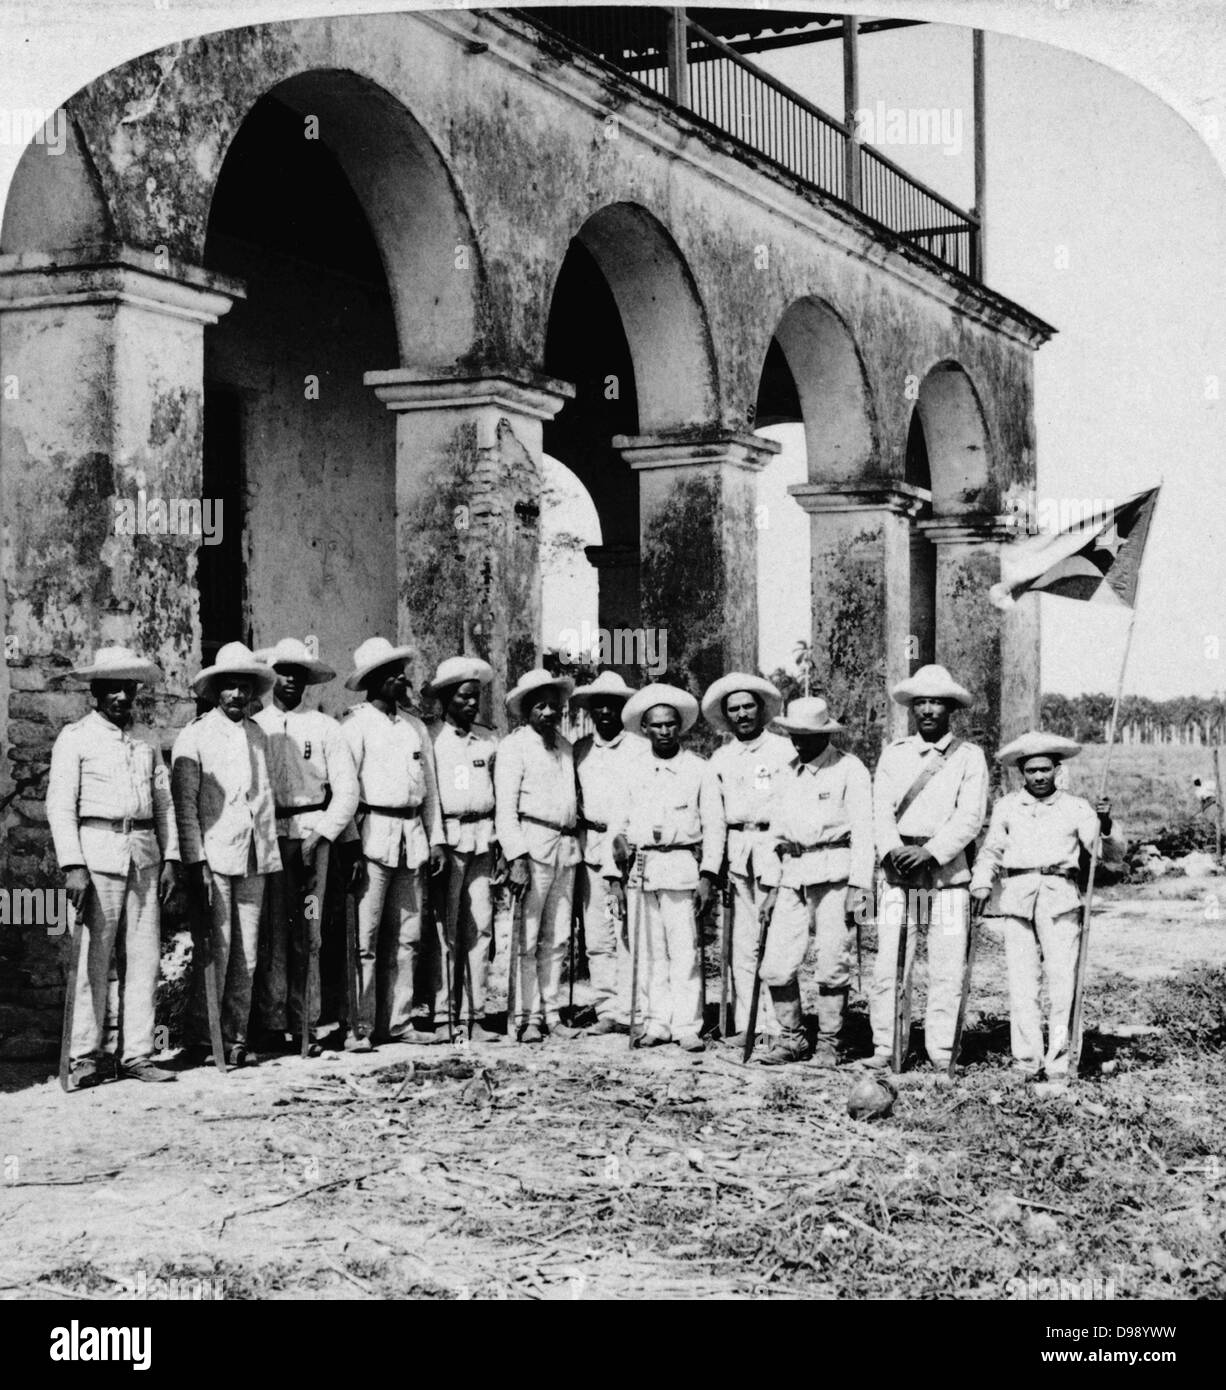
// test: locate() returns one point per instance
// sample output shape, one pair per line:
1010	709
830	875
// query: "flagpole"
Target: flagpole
1083	941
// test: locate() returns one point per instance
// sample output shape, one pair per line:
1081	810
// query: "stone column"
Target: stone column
699	547
618	570
468	487
993	652
101	404
860	553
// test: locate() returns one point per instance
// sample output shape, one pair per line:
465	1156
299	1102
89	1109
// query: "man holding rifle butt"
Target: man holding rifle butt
929	799
110	814
604	764
315	786
744	775
820	879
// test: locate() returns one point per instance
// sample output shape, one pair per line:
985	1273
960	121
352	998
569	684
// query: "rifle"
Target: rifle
967	967
463	971
200	913
76	939
439	922
353	964
517	920
639	859
294	868
756	996
570	969
725	963
902	1000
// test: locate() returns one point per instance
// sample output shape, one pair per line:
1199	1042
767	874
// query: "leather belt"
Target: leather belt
915	839
285	812
663	849
404	812
593	825
125	824
843	842
469	817
749	825
1047	870
549	824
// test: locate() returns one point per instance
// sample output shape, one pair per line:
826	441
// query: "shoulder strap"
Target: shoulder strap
928	772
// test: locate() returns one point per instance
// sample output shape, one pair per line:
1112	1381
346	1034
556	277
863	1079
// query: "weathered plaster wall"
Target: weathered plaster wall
321	472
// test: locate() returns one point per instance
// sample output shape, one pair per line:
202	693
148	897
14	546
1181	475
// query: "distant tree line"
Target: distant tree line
1195	720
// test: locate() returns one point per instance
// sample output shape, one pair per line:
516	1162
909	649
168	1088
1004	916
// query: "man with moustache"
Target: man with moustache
226	814
604	764
315	786
111	819
744	774
401	836
666	830
537	820
464	756
930	795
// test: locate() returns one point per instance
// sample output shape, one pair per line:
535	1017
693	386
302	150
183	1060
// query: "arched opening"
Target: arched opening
923	587
830	390
784	601
955	440
334	212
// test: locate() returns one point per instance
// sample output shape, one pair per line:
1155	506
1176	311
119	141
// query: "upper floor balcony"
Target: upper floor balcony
671	54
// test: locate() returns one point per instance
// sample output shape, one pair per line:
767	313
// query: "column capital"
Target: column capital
971	528
114	273
612	557
904	499
649	451
511	391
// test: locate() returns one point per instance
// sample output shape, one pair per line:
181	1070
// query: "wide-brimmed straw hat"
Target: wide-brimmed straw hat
806	715
659	694
455	670
608	685
289	651
718	692
373	653
535	680
119	664
933	683
1037	744
236	659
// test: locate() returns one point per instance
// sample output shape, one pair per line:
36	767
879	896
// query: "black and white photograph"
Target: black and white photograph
614	676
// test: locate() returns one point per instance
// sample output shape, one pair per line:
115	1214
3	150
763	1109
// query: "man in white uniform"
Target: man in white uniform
315	786
401	833
666	830
930	796
604	764
745	773
111	819
537	815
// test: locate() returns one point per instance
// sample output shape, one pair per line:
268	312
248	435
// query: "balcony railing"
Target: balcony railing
725	90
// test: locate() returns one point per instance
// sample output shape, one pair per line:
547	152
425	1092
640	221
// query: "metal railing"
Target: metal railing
726	91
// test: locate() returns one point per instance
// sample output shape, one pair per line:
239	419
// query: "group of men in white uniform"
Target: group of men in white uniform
629	826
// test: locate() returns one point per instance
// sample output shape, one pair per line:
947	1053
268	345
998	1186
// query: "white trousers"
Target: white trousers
608	954
235	918
389	941
1046	946
543	941
820	909
670	986
470	919
948	913
128	902
745	930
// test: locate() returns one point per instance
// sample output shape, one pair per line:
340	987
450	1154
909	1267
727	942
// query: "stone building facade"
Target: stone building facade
353	277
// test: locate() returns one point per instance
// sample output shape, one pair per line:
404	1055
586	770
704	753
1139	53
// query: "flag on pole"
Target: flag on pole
1099	558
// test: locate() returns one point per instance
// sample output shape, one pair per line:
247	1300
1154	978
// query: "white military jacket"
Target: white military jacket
745	779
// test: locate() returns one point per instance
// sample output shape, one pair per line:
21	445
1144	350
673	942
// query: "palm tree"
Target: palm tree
803	656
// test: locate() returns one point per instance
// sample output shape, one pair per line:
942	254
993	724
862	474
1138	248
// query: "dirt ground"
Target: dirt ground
581	1170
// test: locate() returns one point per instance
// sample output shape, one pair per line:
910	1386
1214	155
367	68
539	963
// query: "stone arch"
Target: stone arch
665	322
425	237
831	388
55	199
955	437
